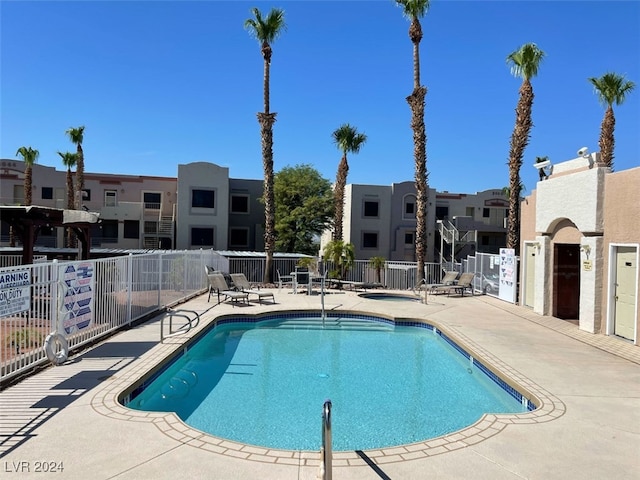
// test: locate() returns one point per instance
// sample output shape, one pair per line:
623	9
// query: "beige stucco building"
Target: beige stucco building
580	246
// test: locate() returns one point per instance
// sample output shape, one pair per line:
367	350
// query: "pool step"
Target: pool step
332	324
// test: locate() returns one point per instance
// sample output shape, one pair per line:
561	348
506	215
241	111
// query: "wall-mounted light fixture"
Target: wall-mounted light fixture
586	249
544	168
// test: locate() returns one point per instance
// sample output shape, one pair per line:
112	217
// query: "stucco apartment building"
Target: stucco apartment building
580	247
204	208
381	221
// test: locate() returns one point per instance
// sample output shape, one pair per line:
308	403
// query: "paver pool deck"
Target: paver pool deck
588	425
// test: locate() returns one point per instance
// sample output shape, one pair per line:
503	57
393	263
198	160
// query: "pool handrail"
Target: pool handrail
326	452
191	322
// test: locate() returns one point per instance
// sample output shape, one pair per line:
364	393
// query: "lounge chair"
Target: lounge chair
285	280
241	282
218	285
449	278
464	283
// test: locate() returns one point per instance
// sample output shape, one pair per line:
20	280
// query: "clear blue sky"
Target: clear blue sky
157	84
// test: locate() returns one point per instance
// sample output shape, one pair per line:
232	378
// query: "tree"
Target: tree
76	135
342	256
304	208
69	160
524	64
414	10
266	31
348	140
29	156
611	88
377	263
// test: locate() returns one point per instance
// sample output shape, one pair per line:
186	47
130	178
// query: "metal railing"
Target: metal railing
191	322
326	452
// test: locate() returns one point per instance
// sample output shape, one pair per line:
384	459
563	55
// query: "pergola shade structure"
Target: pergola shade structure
28	220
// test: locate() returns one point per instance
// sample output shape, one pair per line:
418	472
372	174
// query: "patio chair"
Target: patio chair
449	278
218	285
285	280
465	282
241	282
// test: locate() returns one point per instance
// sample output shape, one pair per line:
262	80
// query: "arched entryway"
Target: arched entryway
566	270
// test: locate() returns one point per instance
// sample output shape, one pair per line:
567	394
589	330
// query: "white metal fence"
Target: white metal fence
130	287
124	289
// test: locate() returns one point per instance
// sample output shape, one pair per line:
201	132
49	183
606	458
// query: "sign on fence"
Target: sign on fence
15	292
508	274
77	283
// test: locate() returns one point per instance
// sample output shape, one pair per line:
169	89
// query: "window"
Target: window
442	213
150	227
109	231
110	198
239	203
86	195
371	208
239	237
410	209
470	212
369	240
131	229
47	193
202	237
409	238
202	199
152	200
486	213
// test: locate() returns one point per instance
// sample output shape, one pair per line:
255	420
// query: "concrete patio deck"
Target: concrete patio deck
587	427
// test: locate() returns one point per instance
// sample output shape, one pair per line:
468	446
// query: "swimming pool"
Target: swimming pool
262	381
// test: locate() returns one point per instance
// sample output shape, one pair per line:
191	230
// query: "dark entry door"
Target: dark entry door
566	281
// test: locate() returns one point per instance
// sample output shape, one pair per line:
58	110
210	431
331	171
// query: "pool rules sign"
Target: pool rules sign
77	282
15	292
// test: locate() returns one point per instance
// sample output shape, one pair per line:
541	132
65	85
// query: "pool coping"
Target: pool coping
107	402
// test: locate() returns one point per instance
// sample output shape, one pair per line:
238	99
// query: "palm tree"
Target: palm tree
611	88
524	64
378	263
342	256
76	135
347	139
414	10
30	156
69	160
266	31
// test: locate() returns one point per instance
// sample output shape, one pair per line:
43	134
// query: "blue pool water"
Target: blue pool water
265	383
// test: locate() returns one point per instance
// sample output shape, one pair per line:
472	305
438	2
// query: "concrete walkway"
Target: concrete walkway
588	425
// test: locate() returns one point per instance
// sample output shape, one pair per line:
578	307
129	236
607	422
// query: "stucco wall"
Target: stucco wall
622	224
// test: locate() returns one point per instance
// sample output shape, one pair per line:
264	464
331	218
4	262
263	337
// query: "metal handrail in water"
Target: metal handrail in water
326	452
192	322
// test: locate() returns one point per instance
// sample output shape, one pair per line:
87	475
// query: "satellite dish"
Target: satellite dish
583	151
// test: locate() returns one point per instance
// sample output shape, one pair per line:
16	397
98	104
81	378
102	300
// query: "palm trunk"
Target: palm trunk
338	197
28	185
266	121
417	101
519	141
70	204
80	177
606	142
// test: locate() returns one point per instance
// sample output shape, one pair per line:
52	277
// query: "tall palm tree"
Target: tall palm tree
266	31
69	160
347	139
611	88
30	156
76	135
414	10
524	64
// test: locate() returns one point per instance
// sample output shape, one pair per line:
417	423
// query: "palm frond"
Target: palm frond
413	9
611	88
525	61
